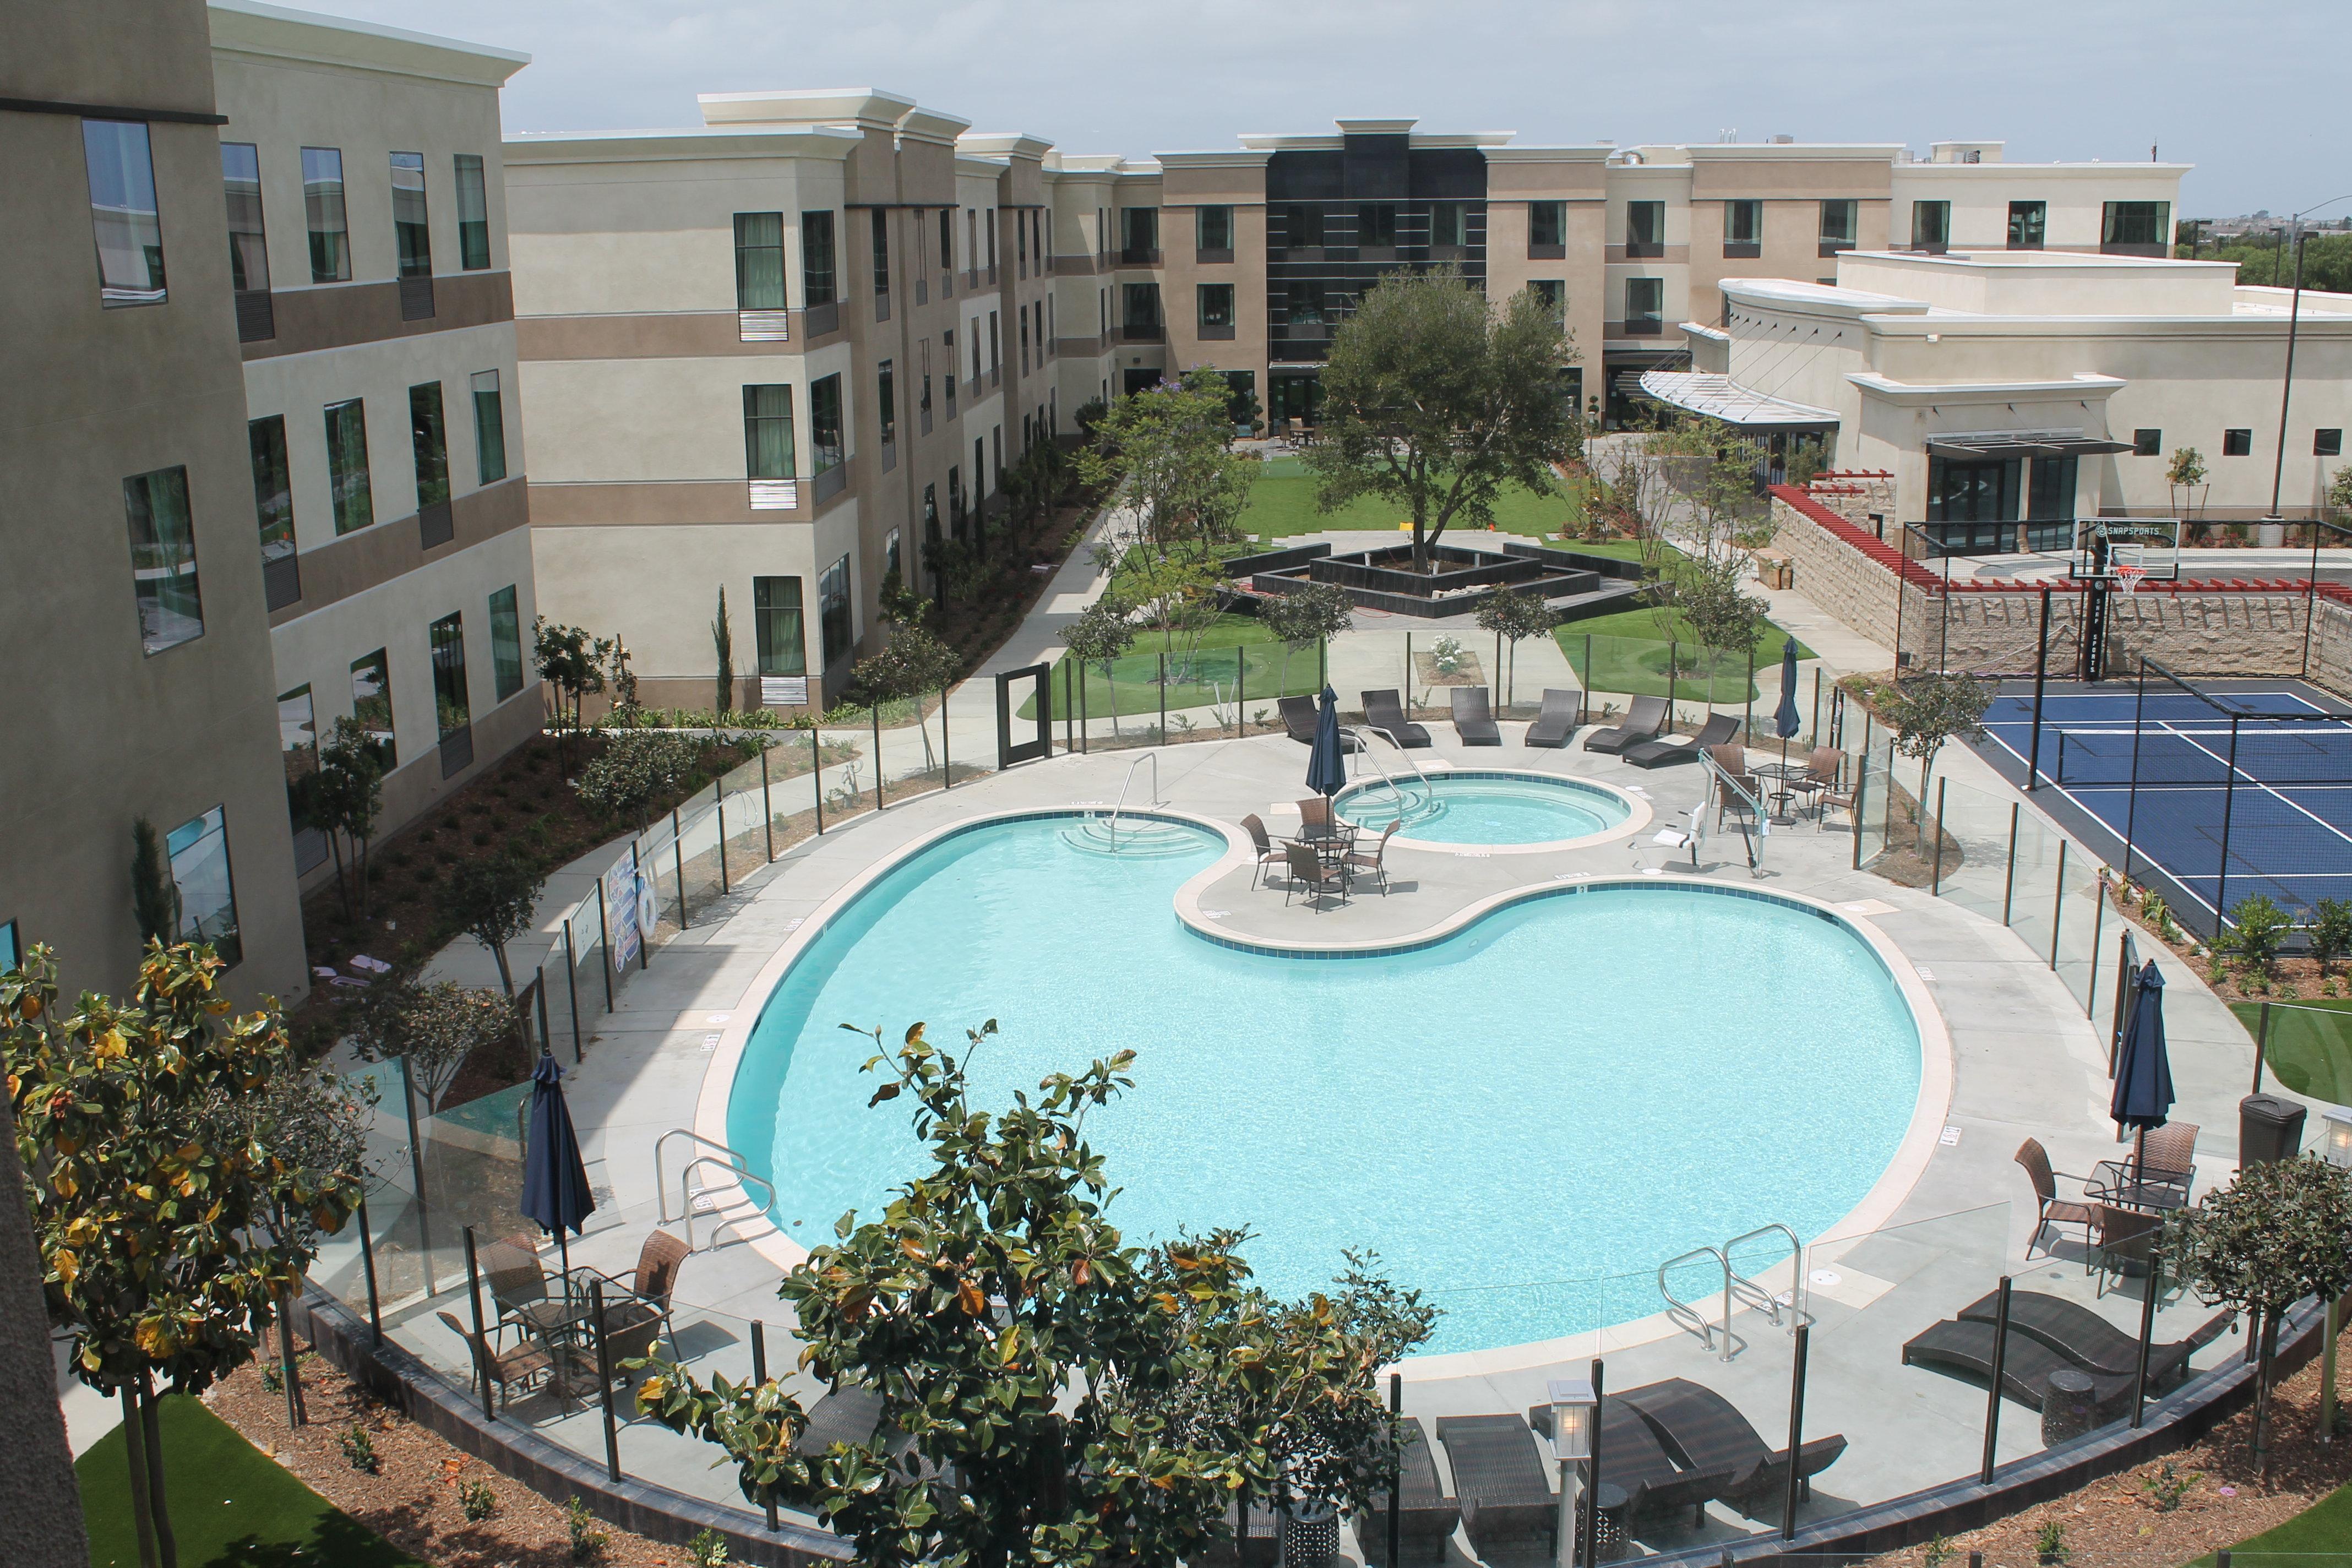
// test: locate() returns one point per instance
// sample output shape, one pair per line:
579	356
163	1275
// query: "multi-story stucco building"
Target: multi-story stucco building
367	209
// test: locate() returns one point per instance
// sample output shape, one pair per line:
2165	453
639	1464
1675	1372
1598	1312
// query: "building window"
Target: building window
452	709
1304	306
164	559
298	748
881	251
1302	227
759	262
1931	224
1140	234
1446	230
371	703
1553	292
885	387
200	871
2028	223
347	466
947	238
768	432
506	643
248	240
411	235
1645	228
430	443
947	381
2237	443
490	429
1217	308
776	626
1979	491
1142	307
11	954
1645	305
323	211
1743	228
817	258
2135	228
891	565
824	422
995	346
2148	443
2328	443
273	488
1216	228
955	501
833	610
1840	224
123	213
1546	227
473	214
1376	226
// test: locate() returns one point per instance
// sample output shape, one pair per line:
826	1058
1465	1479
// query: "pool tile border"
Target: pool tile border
1639	814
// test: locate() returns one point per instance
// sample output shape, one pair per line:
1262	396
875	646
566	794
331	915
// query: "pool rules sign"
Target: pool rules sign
620	912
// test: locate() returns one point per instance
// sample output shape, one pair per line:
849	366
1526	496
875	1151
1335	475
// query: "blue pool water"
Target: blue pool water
1486	808
1523	1119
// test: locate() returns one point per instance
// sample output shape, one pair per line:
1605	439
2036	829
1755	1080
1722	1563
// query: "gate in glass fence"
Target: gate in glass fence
1041	705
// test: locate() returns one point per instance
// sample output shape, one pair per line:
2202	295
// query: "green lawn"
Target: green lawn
1282	503
231	1507
2309	1051
1209	676
1629	649
2324	1527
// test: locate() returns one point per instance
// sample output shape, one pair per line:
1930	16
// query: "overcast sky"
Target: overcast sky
2251	96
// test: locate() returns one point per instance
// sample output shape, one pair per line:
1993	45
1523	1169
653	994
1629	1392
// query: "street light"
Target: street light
1575	1413
2287	381
2338	1147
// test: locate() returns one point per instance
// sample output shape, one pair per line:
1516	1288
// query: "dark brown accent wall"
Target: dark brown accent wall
654	502
667	334
338	315
375	556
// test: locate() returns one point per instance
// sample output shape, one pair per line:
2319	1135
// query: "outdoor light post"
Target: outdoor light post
2338	1121
2286	380
1575	1412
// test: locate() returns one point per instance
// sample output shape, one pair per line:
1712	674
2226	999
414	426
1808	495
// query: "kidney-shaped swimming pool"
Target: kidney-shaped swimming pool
1523	1119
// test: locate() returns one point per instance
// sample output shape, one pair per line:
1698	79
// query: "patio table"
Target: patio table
2151	1192
1788	775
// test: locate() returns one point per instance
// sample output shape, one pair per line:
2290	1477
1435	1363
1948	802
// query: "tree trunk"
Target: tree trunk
506	975
167	1551
1926	768
134	1444
294	1414
342	888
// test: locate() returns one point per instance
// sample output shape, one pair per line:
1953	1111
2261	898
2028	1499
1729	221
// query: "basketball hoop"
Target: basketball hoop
2130	578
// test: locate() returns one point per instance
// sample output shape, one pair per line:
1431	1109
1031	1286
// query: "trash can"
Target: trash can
2270	1127
2069	1406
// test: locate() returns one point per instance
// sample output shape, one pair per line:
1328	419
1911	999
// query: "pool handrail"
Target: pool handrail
1686	1316
688	1192
1125	785
1364	749
1755	842
714	1147
1756	1296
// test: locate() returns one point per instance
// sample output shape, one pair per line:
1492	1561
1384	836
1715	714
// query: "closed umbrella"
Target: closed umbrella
1326	765
554	1179
1785	721
2143	1094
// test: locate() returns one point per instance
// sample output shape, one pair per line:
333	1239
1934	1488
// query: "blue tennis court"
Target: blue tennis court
2278	795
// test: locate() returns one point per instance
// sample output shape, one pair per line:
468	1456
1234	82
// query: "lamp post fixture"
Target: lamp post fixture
2338	1121
2287	381
1575	1413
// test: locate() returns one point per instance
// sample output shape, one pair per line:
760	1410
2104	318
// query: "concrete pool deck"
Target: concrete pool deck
2020	1058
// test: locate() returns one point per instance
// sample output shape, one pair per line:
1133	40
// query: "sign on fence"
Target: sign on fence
621	911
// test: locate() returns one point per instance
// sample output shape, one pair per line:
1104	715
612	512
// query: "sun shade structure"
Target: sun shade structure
555	1192
1327	769
2022	444
1720	397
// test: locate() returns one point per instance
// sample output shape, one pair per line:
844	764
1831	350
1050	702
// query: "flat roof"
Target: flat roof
1720	397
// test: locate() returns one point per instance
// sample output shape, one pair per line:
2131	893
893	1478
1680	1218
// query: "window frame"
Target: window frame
2238	441
1212	227
376	666
490	434
2147	442
320	203
350	486
472	197
506	643
1547	230
761	421
1656	317
2112	217
759	250
1850	209
881	247
885	400
171	544
774	653
1215	308
110	142
1943	226
251	261
2029	225
827	418
834	619
1750	209
428	444
412	237
181	848
2328	441
819	259
273	511
444	644
1655	243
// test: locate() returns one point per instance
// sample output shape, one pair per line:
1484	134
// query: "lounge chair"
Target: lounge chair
1299	717
1965	1349
1384	712
1376	860
1506	1501
2089	1340
1474	720
1307	871
1643	719
1702	1431
2055	1210
1268	855
1662	753
1427	1515
1634	1462
1562	711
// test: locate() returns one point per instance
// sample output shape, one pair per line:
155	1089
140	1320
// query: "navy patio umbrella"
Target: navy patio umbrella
1327	766
554	1179
2143	1096
1785	721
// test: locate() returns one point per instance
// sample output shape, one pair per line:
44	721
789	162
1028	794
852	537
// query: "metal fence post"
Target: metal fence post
1992	1401
678	860
718	803
816	777
416	1173
2131	797
604	940
1396	1475
2041	675
2262	1045
1069	709
947	766
1747	714
2228	809
481	1335
767	806
538	986
877	754
1674	651
2009	871
1796	1429
1163	700
759	1377
604	1378
367	1266
2147	1334
1241	691
1936	884
2058	904
645	948
571	985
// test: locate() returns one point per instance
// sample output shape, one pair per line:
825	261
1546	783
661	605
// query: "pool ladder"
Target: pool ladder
1405	804
1736	1288
1127	784
737	1196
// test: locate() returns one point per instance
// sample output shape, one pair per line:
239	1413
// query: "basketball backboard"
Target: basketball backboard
2102	544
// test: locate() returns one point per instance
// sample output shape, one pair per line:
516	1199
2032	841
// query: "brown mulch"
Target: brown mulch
410	1499
2290	979
2228	1497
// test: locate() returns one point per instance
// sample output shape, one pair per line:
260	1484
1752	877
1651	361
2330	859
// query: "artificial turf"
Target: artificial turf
2308	1051
2325	1527
231	1506
1629	653
1282	503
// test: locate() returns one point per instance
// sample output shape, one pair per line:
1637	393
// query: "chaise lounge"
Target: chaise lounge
1702	1431
1562	711
1643	719
1474	720
2088	1339
1298	718
1662	753
1634	1465
1506	1501
1427	1515
1961	1349
1384	712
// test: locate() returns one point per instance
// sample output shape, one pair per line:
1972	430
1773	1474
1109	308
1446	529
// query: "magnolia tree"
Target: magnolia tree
1049	1393
1437	401
154	1202
572	663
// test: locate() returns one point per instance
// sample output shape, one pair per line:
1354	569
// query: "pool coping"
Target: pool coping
1876	1207
1639	814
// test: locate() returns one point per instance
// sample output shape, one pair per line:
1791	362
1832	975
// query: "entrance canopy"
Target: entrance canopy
2021	444
1722	398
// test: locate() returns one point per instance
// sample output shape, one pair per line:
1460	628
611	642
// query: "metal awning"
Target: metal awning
2022	444
1720	397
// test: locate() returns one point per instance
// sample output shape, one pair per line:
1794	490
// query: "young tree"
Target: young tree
623	679
2186	472
1101	633
637	768
1513	617
149	1200
722	638
494	901
1049	1393
154	896
1305	617
573	666
436	1027
912	666
2331	931
900	606
346	796
1436	402
1708	597
1169	451
1928	709
2339	491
